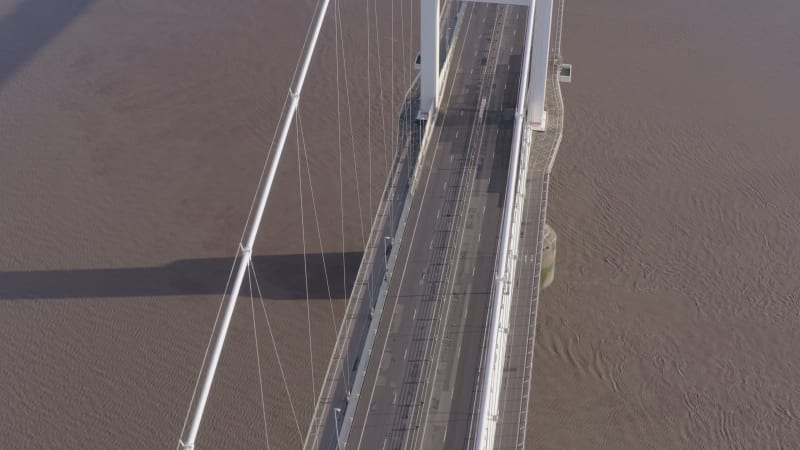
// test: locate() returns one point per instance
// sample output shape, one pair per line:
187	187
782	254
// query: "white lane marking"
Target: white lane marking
405	265
405	356
434	367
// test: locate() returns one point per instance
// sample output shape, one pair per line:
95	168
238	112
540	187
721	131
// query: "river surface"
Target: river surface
673	319
132	136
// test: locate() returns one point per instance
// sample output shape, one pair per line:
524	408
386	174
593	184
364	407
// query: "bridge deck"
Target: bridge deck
518	368
419	390
422	377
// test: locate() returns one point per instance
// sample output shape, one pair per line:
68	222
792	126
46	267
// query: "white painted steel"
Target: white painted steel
429	41
502	2
541	54
188	442
377	312
495	350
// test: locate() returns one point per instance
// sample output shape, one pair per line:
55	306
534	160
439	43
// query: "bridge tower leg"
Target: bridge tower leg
541	53
429	56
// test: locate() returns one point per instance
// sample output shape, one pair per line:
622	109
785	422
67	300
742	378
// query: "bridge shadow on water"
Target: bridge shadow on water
281	277
28	27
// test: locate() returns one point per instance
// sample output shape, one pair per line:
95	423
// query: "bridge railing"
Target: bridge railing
499	327
503	285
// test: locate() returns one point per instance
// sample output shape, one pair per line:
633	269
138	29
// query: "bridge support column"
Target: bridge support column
537	86
429	56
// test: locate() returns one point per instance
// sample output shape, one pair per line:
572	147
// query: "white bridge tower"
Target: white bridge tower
430	76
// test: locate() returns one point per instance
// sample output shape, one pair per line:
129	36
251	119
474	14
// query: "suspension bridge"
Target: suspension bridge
435	349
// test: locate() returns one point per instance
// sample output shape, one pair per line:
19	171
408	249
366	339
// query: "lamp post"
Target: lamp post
336	412
387	242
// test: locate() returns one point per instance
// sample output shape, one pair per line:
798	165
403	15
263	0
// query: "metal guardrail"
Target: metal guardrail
502	287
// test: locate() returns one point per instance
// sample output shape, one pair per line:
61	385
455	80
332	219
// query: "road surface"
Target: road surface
419	390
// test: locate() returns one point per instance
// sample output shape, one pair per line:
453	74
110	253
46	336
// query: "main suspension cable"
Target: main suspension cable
246	248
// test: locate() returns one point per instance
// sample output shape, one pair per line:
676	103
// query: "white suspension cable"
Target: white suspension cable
316	221
284	114
410	76
403	42
404	71
319	237
370	287
369	138
394	81
246	249
208	347
258	357
350	122
411	37
275	348
369	113
383	103
305	266
338	30
181	443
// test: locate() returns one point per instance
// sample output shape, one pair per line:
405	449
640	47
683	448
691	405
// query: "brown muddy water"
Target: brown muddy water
132	135
673	321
